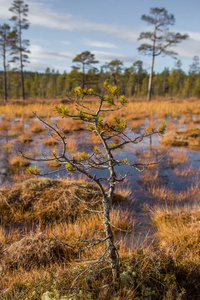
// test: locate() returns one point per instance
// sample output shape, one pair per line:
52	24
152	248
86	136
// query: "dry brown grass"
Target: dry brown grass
122	193
35	262
39	201
70	125
186	120
172	139
24	109
17	128
20	176
44	201
162	108
36	127
18	161
177	230
4	126
189	137
176	158
150	176
31	284
33	212
25	138
7	147
93	139
122	219
50	142
135	124
185	172
71	144
135	109
53	164
36	250
168	196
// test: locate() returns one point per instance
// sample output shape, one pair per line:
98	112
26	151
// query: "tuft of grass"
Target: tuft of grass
18	161
50	141
149	176
37	183
168	196
36	127
36	250
122	219
17	128
7	147
71	145
122	194
25	138
135	124
39	201
177	231
176	158
70	125
189	137
4	126
53	164
189	171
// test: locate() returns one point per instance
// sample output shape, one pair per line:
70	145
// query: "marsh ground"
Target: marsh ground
161	202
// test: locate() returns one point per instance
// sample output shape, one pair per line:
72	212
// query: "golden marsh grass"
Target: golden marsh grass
34	262
177	230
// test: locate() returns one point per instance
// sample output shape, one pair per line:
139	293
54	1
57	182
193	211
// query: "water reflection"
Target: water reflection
162	175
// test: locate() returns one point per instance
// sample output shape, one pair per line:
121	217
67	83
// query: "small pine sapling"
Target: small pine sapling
100	165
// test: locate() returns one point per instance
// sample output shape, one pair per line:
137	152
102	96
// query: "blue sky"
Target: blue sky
61	29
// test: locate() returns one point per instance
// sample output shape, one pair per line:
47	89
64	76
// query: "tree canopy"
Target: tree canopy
85	59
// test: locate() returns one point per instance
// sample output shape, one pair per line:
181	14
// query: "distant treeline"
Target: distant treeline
133	81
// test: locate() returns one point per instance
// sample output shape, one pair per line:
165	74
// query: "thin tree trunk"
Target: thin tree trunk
5	78
113	254
21	57
107	203
5	86
150	79
21	71
83	82
114	78
152	65
22	81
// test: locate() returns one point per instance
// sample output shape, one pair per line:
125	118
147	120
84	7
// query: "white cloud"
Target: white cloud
65	42
41	14
99	44
48	18
103	56
39	57
39	52
4	11
37	65
194	35
190	47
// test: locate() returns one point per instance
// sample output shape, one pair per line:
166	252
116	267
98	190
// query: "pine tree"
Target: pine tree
7	43
85	59
160	38
20	12
115	68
